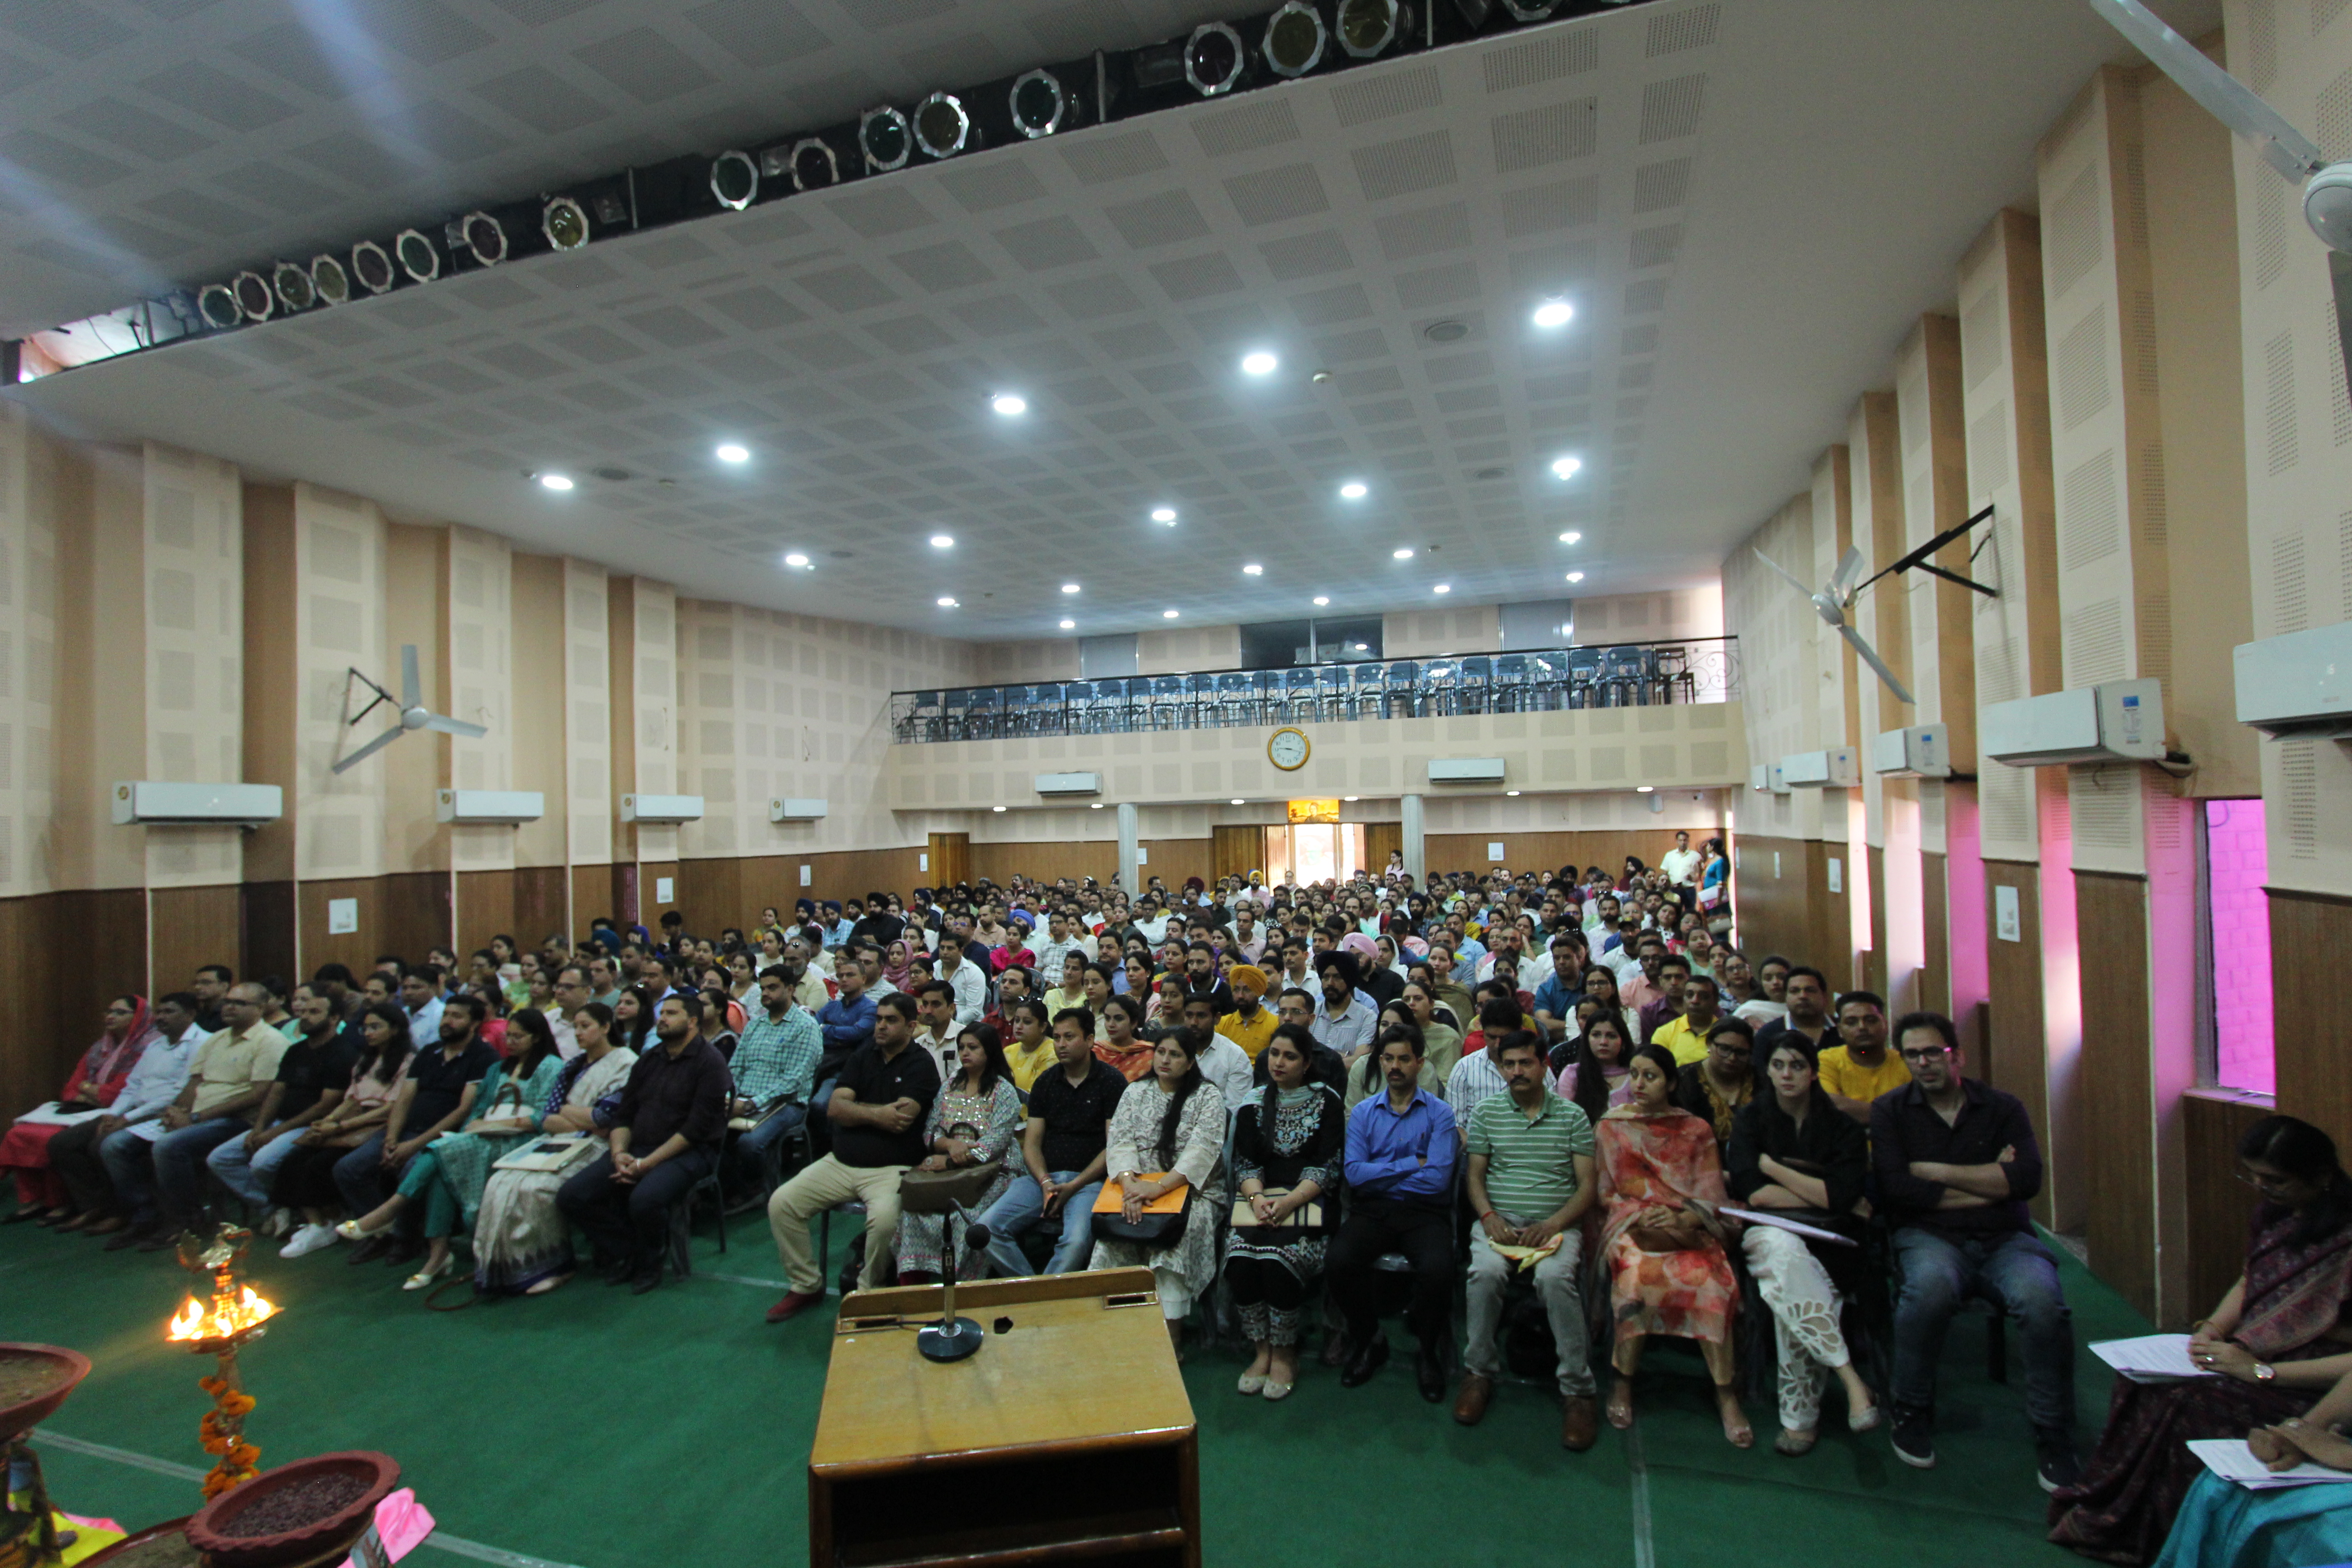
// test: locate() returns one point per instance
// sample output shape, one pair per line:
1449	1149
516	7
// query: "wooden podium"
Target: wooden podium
1067	1437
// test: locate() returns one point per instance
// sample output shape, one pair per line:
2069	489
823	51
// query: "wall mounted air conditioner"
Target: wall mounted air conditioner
158	805
1760	777
1832	768
507	805
1466	770
1069	783
661	808
2299	684
789	810
2120	721
1921	751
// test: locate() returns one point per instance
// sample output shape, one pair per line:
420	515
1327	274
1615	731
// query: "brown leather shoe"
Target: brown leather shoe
1580	1423
1470	1404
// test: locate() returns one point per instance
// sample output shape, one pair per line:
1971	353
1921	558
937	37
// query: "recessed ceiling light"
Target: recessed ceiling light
1259	363
947	603
1322	598
733	453
1167	614
1354	490
1253	570
1351	797
1571	537
796	559
1093	805
1443	588
1163	514
1554	313
996	808
1566	467
1069	587
555	481
1645	789
1510	792
1401	552
1069	625
1237	800
1575	577
943	541
1009	404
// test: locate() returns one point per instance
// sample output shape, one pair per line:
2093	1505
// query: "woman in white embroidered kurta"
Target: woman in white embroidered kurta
1171	1121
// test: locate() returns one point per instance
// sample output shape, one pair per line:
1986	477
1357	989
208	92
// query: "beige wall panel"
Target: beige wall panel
999	662
535	637
1425	634
1181	650
338	818
588	699
1696	612
28	633
1786	654
193	551
102	669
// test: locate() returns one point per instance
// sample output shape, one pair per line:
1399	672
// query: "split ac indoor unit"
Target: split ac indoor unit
1921	751
790	810
2120	721
661	808
1466	770
1832	768
159	805
1069	783
492	805
2299	684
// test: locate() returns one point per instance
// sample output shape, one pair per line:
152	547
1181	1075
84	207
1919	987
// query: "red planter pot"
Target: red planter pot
69	1367
207	1530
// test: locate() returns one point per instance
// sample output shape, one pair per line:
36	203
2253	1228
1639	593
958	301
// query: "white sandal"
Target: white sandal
423	1278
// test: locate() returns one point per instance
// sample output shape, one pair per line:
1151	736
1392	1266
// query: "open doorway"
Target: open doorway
1315	851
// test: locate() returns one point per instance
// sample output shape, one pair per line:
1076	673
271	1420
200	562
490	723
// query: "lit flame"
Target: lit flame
223	1318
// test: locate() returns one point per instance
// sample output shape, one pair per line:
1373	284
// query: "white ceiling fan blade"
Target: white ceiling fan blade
1848	572
371	748
2223	96
1870	657
412	689
1784	571
449	726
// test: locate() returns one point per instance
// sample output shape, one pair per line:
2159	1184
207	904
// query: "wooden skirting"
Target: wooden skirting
1546	852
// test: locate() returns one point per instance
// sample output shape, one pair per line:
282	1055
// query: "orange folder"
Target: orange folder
1110	1200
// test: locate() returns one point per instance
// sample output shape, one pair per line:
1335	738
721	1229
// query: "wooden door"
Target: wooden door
1237	851
951	859
1381	840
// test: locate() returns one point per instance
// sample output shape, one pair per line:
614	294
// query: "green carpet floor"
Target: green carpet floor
597	1429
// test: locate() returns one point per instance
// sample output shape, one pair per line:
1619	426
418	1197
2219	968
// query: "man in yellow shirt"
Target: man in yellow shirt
1248	1026
1860	1070
1687	1036
228	1078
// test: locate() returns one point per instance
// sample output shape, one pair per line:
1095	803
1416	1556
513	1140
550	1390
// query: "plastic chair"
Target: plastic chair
1584	678
1473	685
1233	699
1199	700
922	723
1297	694
1331	691
1165	697
1548	681
1436	690
1511	693
1670	669
955	715
987	713
1626	676
1370	699
1403	689
681	1218
1266	695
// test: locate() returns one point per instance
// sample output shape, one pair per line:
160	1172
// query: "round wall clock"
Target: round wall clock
1287	749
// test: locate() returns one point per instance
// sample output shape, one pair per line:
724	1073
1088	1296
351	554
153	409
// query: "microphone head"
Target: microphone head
977	1236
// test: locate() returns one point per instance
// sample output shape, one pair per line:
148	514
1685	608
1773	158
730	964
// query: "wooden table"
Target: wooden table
1067	1437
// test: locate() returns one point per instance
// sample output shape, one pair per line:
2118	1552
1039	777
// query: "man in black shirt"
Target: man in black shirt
666	1136
876	1111
1808	995
1956	1161
312	1078
430	1103
1201	977
1064	1147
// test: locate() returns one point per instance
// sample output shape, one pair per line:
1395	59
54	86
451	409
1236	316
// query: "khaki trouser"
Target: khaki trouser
819	1187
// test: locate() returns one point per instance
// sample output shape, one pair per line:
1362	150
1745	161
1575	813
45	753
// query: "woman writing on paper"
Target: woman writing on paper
2275	1342
1287	1143
1793	1152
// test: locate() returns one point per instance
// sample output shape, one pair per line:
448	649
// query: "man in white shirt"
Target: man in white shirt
969	985
1058	945
162	1182
1221	1061
1681	862
1247	940
76	1154
936	1025
420	998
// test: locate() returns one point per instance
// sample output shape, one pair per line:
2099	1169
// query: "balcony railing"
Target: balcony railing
1624	675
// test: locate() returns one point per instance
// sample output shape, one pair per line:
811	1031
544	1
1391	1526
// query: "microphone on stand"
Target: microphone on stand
952	1338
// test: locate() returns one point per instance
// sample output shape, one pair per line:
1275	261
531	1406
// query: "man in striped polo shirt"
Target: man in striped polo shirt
1531	1181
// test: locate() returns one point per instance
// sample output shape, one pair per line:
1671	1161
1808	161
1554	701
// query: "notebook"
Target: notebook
1110	1200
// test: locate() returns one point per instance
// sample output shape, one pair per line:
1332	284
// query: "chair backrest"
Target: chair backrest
1166	686
1298	681
1624	661
926	699
958	701
1266	682
1478	667
987	697
1511	666
1332	676
1046	696
1138	689
1403	674
1234	684
1370	676
1200	685
1585	662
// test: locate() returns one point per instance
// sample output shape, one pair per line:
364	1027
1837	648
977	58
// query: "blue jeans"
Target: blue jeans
749	1156
163	1182
1023	1205
249	1174
360	1177
2020	1276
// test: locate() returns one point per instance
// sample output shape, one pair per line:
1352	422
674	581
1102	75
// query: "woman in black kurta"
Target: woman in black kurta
1287	1145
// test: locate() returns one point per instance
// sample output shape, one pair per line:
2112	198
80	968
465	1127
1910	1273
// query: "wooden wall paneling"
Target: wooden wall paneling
2219	1205
270	671
1075	859
87	948
845	873
485	907
1177	860
592	895
415	906
650	905
266	941
1870	965
36	1046
951	859
187	927
710	895
766	880
1381	840
1794	913
2114	1086
1543	852
2013	1059
2311	934
1936	979
355	949
542	903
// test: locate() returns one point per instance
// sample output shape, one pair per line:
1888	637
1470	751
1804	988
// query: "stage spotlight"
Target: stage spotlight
1295	39
942	128
1368	27
253	296
885	138
483	236
812	164
217	303
1039	103
372	266
290	282
1214	58
734	180
565	224
332	283
419	257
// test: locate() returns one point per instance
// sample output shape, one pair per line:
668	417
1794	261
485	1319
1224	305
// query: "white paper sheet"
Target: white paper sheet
50	1116
1812	1232
2229	1458
2150	1358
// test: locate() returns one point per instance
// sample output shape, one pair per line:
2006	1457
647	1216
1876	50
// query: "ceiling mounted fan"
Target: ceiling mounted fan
410	704
1837	597
2326	186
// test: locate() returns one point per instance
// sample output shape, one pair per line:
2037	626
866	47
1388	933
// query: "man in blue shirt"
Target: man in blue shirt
847	1024
1402	1150
774	1067
1556	997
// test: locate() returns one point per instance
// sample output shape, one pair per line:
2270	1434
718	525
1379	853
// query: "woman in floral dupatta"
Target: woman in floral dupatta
96	1079
522	1244
1662	1238
2277	1340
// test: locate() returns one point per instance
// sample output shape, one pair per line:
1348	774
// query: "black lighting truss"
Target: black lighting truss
1295	39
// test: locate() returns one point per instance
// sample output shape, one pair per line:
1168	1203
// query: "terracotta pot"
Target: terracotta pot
380	1473
69	1367
130	1546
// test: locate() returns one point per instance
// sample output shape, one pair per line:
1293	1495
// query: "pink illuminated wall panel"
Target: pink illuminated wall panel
2237	863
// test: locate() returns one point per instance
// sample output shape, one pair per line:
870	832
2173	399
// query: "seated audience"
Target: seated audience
974	1121
311	1077
1859	1068
1251	1024
1956	1161
1442	1042
1401	1149
522	1243
1121	1019
1686	1033
1530	1180
1663	1237
2277	1340
1793	1153
1063	1152
305	1181
1718	1084
1807	996
97	1081
774	1071
1289	1142
877	1108
1590	1069
433	1098
163	1182
1169	1132
1223	1063
1478	1074
1345	1022
1030	1052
